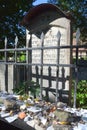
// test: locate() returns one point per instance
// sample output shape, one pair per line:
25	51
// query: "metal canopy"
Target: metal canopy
37	10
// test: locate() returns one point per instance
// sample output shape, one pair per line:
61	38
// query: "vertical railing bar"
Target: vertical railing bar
6	67
57	72
15	60
41	71
16	41
30	58
27	66
5	49
76	68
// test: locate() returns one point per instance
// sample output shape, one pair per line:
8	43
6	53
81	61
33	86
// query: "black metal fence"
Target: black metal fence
22	68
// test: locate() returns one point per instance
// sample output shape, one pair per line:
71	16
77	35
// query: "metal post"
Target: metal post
15	66
57	71
75	87
41	71
76	68
6	67
16	41
29	60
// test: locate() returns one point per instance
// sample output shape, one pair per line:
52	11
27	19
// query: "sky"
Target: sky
39	2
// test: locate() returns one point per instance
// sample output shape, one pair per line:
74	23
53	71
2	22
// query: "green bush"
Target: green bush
81	96
26	87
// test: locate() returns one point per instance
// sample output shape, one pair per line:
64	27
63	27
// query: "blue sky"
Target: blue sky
39	2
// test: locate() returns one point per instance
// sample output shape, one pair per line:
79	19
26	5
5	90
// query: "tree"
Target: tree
78	10
11	13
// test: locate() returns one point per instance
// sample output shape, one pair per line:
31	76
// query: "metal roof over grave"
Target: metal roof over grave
30	19
53	23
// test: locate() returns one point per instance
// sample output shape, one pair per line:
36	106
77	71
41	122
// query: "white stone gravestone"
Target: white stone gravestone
50	22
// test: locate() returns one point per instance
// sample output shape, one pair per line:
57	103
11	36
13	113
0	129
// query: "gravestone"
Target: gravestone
9	78
49	20
2	77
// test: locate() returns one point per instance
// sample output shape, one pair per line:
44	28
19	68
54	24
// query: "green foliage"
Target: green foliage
22	57
11	14
26	87
81	97
77	10
84	58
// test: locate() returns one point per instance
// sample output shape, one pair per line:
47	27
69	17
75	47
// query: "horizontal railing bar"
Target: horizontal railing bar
47	77
35	64
48	47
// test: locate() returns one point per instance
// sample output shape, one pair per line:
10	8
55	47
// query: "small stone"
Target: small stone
62	116
31	123
62	127
37	121
37	127
22	115
50	128
22	107
10	103
61	105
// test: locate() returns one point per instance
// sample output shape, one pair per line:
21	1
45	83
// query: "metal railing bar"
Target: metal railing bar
48	47
34	64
